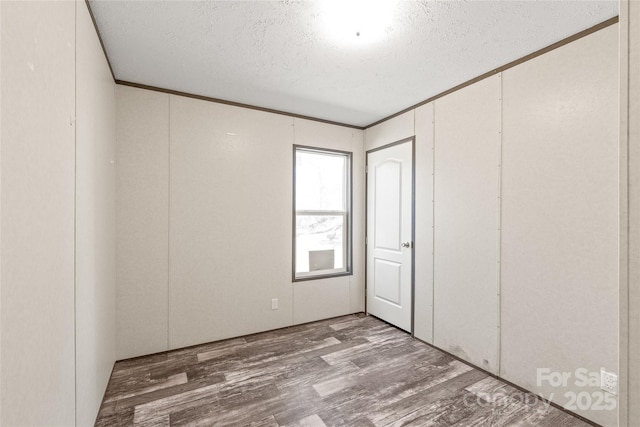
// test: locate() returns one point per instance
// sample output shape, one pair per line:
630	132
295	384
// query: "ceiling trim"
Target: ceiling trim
233	104
511	64
95	26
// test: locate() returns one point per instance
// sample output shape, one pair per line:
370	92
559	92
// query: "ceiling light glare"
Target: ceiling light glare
358	21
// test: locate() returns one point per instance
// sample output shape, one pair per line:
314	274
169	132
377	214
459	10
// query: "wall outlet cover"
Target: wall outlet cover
608	382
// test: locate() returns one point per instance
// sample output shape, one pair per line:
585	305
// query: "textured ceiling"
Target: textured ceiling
285	55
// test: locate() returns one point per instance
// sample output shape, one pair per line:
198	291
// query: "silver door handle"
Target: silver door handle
406	245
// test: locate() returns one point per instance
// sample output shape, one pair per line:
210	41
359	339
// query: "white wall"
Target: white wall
467	222
634	141
423	246
395	129
142	251
204	222
560	215
52	67
95	220
0	212
229	221
525	259
38	162
630	213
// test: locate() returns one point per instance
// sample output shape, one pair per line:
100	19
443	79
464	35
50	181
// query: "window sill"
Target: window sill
321	276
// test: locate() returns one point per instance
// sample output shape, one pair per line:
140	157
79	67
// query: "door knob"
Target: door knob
406	245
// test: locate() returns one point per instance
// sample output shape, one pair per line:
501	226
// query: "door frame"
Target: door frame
412	141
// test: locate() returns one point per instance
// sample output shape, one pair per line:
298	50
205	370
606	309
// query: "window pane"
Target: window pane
320	181
321	203
319	241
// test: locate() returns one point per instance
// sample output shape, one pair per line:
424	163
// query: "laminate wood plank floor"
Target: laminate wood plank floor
349	371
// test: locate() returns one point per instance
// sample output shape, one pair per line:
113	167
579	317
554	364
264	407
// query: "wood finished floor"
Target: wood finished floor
349	371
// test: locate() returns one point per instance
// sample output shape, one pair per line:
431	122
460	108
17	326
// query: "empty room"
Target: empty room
319	213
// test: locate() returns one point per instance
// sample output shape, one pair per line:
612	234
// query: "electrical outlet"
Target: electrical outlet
608	382
274	304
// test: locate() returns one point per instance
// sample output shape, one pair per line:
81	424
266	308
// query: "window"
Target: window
322	219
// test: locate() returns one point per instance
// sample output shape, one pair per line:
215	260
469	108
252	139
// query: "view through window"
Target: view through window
322	203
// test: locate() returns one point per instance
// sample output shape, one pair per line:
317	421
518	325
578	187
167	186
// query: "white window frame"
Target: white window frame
347	252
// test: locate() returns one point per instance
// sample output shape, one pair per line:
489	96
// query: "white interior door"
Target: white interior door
390	233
